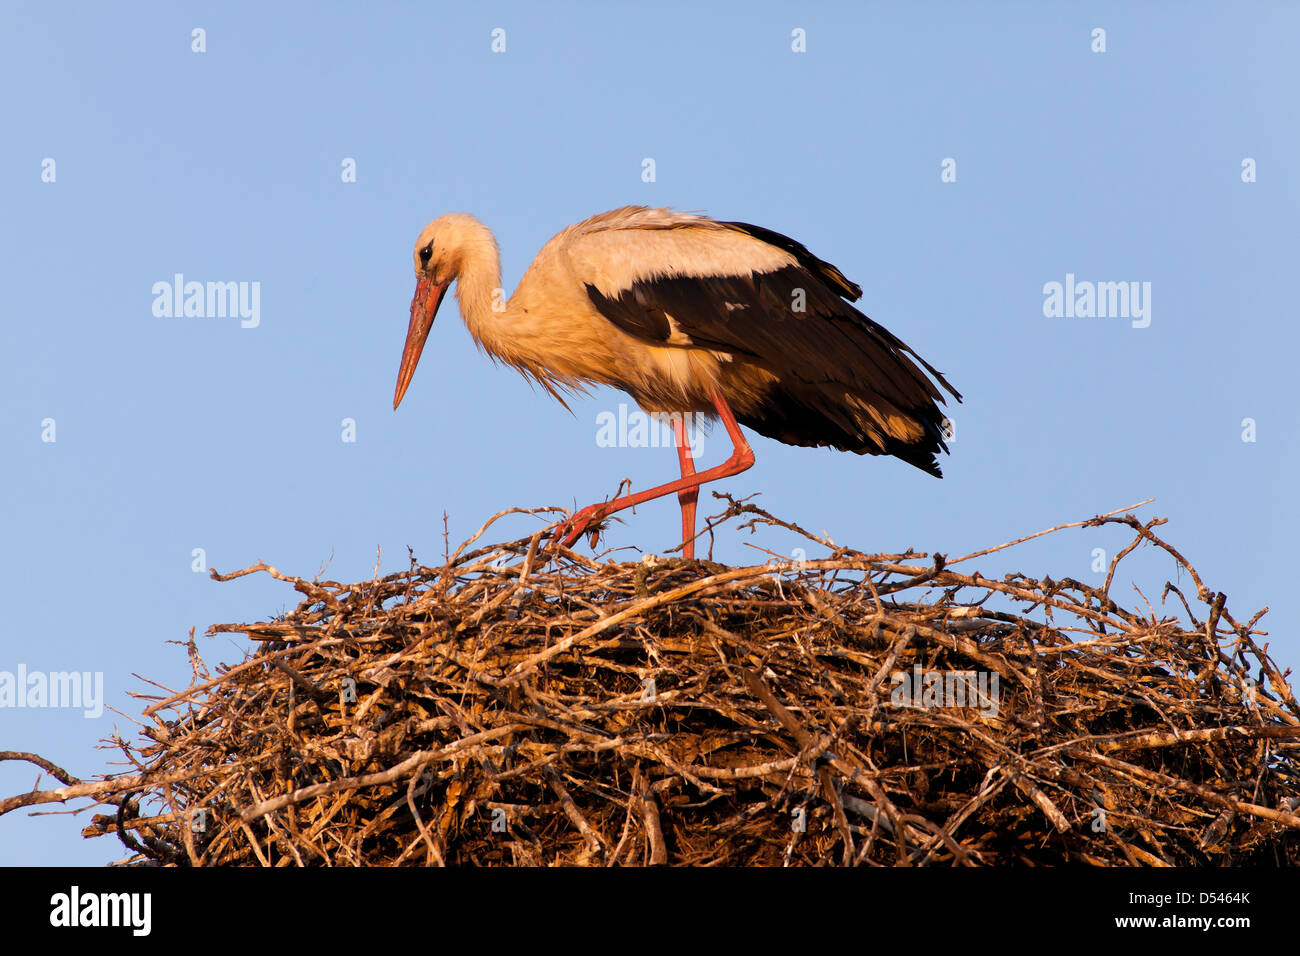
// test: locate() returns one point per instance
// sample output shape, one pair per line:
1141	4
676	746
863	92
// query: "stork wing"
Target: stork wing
841	379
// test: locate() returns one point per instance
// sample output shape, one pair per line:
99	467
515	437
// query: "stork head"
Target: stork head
439	253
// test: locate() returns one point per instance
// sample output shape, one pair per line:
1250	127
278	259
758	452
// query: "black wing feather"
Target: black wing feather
832	276
820	356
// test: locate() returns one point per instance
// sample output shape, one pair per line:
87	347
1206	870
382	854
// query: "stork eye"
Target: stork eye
425	253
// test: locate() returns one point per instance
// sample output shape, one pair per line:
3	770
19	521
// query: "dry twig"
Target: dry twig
494	711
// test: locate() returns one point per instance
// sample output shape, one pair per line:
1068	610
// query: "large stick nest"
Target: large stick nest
515	706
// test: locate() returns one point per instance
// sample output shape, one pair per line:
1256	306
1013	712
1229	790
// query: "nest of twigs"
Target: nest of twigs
518	707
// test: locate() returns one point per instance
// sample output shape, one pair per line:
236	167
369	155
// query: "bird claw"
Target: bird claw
574	527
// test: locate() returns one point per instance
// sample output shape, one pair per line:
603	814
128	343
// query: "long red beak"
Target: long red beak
428	296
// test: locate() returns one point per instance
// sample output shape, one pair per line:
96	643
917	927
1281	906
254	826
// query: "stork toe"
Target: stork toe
572	528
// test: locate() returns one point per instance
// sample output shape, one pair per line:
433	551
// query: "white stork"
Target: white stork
687	314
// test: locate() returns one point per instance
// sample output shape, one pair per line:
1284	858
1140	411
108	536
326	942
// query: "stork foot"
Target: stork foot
589	520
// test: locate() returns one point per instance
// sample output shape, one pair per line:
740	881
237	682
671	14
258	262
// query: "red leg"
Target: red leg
742	457
687	496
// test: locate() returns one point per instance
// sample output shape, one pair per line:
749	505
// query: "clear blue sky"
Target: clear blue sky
181	433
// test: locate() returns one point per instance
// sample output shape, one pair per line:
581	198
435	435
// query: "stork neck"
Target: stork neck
478	286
